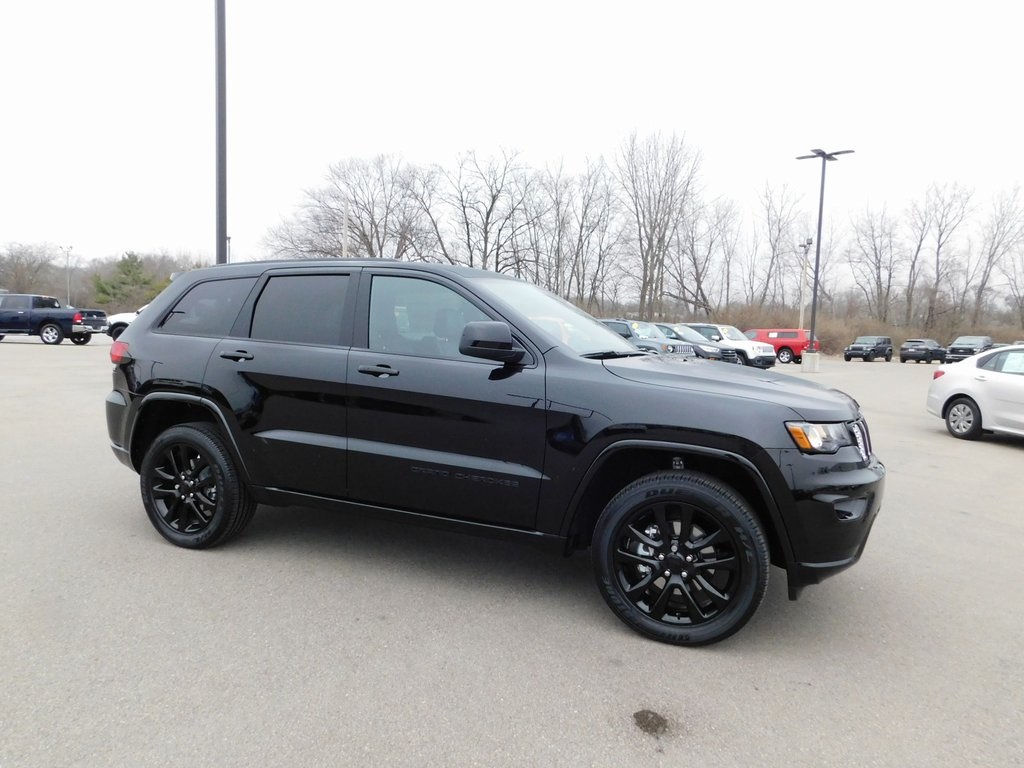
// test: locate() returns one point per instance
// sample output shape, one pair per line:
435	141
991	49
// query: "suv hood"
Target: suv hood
806	399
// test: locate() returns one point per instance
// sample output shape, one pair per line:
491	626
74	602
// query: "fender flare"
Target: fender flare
745	464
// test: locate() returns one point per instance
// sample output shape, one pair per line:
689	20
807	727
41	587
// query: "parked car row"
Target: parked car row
712	341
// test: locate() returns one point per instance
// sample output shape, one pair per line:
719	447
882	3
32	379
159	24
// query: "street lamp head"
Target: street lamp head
822	154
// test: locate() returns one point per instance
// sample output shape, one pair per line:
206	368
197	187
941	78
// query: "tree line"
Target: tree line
635	234
638	232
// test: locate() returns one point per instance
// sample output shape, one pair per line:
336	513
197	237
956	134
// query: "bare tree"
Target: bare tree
778	210
23	268
1002	235
918	228
874	260
948	207
657	179
485	203
365	209
698	264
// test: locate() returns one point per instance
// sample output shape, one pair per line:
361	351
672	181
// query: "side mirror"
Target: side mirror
490	340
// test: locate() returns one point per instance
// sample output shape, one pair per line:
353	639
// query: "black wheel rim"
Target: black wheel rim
677	563
184	488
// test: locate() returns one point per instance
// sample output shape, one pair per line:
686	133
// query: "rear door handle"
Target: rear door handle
380	371
238	354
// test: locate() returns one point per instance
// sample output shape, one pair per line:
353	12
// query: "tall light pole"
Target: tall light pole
825	157
67	267
804	246
222	141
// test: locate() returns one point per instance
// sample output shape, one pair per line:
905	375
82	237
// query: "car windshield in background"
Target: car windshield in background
733	333
572	327
866	340
970	341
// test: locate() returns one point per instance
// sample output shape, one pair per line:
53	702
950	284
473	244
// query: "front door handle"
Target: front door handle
380	371
238	354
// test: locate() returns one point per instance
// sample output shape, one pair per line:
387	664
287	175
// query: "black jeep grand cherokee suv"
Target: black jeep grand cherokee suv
466	399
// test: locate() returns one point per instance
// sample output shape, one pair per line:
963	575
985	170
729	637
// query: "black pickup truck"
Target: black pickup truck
43	316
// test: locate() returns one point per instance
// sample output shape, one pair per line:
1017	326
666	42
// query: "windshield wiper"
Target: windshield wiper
611	355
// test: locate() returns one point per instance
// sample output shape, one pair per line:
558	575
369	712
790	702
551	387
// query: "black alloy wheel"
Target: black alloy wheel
191	489
680	557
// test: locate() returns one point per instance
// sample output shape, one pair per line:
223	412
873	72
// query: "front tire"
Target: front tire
191	488
51	333
963	419
846	358
888	356
681	557
785	355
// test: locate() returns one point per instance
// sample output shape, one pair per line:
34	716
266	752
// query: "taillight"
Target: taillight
119	353
938	374
77	319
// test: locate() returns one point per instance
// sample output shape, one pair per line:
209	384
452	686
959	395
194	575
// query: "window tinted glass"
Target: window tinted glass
208	309
418	317
15	302
304	309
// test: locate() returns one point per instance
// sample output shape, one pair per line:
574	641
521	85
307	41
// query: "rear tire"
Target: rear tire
80	338
963	419
681	557
116	331
785	355
191	488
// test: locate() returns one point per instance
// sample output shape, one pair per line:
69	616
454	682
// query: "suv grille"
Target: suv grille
859	430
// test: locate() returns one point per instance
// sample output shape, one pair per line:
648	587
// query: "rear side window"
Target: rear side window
45	302
302	309
208	309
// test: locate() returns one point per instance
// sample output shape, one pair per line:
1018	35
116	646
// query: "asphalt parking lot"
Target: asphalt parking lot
330	640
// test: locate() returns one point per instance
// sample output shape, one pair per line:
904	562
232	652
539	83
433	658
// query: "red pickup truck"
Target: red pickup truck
45	317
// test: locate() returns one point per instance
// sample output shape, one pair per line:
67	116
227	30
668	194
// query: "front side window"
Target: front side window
208	309
302	309
409	315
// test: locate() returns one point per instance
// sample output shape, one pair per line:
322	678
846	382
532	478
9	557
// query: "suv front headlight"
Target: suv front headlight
819	438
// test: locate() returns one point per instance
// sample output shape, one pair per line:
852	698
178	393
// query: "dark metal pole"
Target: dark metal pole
825	157
817	255
222	174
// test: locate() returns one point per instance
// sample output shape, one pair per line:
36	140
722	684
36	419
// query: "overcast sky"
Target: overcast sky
107	120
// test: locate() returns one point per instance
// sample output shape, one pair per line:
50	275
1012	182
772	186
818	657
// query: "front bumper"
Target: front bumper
835	507
763	361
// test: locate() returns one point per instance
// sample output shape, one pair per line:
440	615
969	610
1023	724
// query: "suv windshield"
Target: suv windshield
732	332
866	340
576	329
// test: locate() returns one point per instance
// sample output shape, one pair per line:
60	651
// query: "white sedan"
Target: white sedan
984	393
